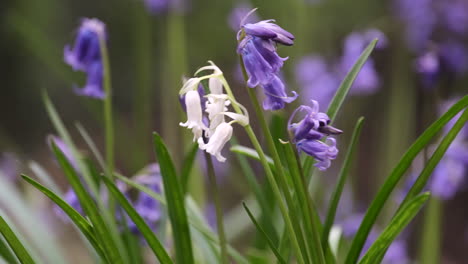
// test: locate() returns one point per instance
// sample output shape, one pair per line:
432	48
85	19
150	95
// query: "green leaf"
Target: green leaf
175	203
398	223
335	198
102	229
422	179
81	222
395	176
341	93
187	166
15	244
145	230
260	229
251	153
6	253
347	82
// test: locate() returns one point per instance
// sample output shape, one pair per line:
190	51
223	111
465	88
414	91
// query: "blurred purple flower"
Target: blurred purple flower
454	15
262	62
146	206
397	253
239	13
71	199
420	19
315	80
164	6
86	56
454	56
428	66
9	166
367	82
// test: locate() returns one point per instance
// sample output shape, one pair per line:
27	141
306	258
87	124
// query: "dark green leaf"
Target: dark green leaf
6	253
175	203
395	176
398	223
260	229
15	244
145	230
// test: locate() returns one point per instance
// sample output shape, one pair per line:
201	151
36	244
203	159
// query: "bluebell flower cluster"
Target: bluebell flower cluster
86	56
435	32
319	79
262	63
308	133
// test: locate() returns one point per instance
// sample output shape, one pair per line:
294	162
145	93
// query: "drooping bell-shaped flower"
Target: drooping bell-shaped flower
86	56
93	87
215	107
220	137
194	114
86	49
275	94
324	153
262	63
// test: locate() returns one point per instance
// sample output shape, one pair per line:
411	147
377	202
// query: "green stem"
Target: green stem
109	126
430	240
219	209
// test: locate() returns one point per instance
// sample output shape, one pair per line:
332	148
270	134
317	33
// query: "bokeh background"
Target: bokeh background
421	61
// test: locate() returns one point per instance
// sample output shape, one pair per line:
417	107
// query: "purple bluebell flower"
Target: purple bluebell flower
428	66
367	82
454	15
93	87
261	61
85	56
71	199
240	14
308	132
164	6
420	19
157	6
397	253
9	166
324	153
454	56
316	80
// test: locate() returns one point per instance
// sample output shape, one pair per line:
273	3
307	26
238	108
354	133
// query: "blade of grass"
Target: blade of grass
250	153
267	238
84	226
145	230
398	223
343	175
175	203
6	253
89	141
15	244
395	176
102	229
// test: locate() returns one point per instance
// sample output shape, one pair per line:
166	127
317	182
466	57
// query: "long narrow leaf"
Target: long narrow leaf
81	222
175	203
398	223
347	82
6	253
145	230
395	176
102	230
15	244
267	238
331	213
